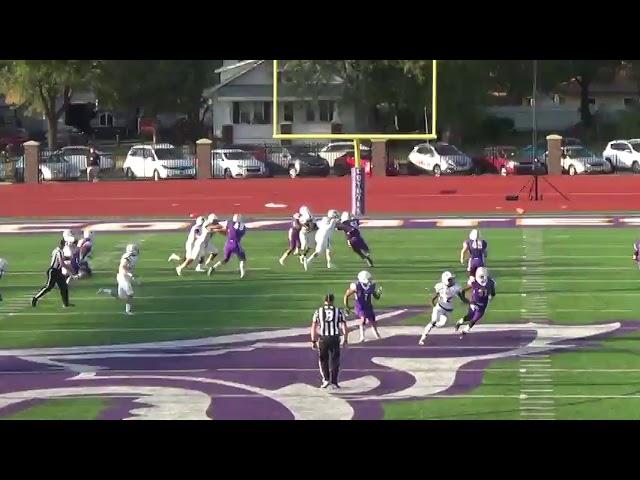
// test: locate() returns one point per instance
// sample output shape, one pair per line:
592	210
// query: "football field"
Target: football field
559	341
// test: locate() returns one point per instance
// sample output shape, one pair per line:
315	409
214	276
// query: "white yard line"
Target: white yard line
535	307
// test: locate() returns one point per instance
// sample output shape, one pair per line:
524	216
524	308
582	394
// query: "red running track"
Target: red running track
385	195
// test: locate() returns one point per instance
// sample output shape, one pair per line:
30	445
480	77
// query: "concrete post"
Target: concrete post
554	149
203	158
31	162
379	158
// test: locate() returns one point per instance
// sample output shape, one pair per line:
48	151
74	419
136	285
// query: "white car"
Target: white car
236	163
577	160
159	161
336	149
54	167
78	156
623	154
437	159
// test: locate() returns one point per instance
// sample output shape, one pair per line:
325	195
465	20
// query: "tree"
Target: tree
403	87
39	84
159	86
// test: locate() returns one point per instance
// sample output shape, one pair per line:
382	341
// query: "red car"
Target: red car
12	136
346	162
500	159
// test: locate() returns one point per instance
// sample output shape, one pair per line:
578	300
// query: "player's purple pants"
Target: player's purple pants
233	249
367	313
474	264
358	244
473	315
294	240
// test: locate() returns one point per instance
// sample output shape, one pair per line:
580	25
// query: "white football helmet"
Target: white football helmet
133	249
68	237
333	214
482	276
304	210
447	277
3	265
474	235
88	235
364	277
296	216
212	218
237	218
199	221
345	217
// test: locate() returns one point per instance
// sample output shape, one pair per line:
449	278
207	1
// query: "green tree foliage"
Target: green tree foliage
39	84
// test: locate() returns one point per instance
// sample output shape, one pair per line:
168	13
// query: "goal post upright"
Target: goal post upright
357	172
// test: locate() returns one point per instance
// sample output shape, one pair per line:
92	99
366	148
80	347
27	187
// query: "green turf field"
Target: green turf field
568	276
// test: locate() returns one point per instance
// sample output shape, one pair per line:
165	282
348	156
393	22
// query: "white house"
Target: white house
242	106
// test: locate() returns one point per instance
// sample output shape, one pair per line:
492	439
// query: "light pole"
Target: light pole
534	125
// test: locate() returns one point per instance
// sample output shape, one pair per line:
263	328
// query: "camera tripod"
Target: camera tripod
534	191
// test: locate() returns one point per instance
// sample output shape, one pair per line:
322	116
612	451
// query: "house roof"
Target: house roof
226	89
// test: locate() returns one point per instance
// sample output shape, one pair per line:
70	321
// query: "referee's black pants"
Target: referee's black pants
55	277
329	353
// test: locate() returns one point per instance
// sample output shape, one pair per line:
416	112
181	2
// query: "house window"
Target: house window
106	119
630	102
326	110
592	101
287	112
310	111
251	113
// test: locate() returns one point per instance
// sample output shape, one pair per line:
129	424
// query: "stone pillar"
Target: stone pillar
31	162
554	149
379	157
203	158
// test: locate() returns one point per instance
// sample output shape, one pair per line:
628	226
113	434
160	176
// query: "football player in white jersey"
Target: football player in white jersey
446	291
309	227
326	227
191	240
125	278
202	245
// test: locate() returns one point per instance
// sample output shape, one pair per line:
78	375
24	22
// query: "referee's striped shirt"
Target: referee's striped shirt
328	319
56	258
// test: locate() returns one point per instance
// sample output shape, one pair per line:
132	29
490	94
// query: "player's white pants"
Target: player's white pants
440	316
125	288
323	242
305	240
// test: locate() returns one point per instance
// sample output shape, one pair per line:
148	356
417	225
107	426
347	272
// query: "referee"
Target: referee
328	322
55	277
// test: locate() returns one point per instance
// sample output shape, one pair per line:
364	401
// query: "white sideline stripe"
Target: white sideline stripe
462	369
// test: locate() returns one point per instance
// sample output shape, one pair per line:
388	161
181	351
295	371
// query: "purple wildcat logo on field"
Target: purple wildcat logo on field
273	374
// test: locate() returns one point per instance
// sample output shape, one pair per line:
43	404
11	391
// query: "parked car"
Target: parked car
337	149
236	163
623	155
159	161
78	155
437	159
10	136
302	162
539	152
344	163
577	160
500	159
54	167
507	160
